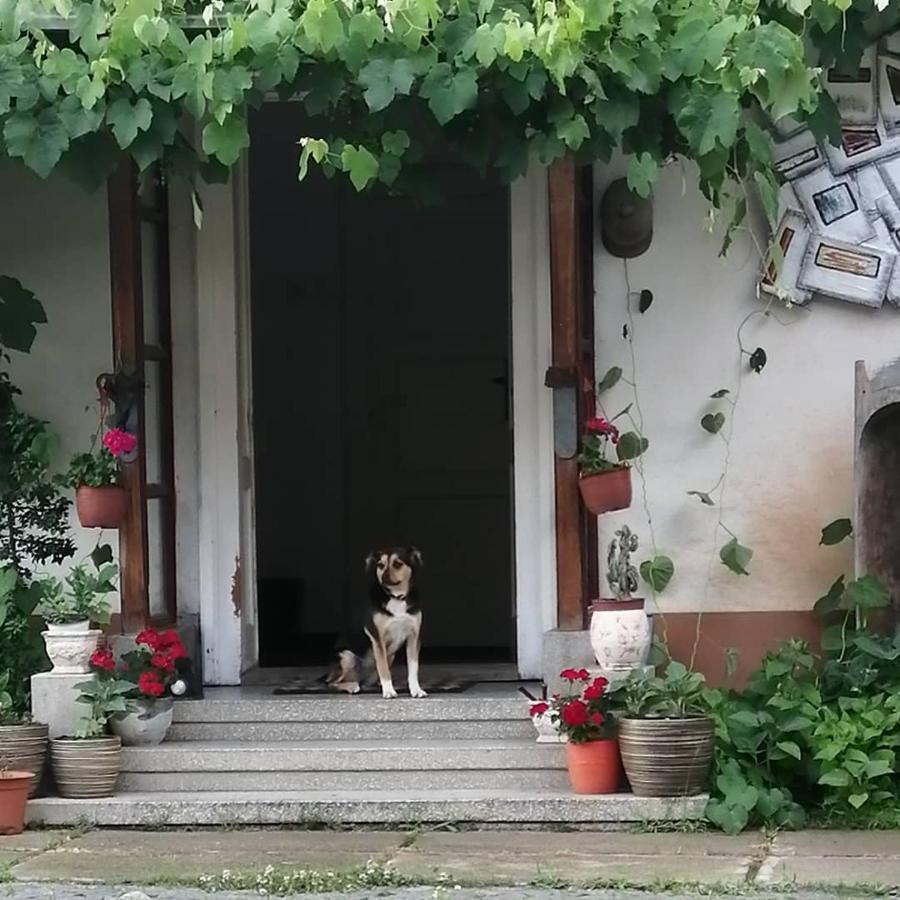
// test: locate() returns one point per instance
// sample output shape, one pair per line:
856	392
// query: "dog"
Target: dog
393	618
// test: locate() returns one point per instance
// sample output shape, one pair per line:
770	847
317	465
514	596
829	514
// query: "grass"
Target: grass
6	875
883	819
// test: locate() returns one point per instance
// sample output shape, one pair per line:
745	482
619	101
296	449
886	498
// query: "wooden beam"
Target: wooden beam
565	302
128	357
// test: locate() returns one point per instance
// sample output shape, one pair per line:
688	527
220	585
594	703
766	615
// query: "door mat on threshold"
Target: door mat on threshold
435	686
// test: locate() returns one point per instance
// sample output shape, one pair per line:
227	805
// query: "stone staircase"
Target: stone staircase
468	757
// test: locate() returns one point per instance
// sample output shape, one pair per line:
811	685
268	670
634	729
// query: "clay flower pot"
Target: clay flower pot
667	757
607	491
14	787
146	723
621	634
24	748
70	646
101	507
594	767
86	767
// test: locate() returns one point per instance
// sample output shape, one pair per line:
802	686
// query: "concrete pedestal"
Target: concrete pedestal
54	701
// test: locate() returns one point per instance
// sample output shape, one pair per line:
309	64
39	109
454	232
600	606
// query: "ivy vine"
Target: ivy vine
500	82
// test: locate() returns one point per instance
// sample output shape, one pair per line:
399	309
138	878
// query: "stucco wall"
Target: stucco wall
792	450
53	239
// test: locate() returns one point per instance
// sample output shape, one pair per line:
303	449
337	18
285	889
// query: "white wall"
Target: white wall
53	238
792	450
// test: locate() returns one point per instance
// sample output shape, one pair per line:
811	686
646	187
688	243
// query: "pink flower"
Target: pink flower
119	442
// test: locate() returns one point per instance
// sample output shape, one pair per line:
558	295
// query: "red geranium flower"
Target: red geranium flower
597	718
575	713
103	659
171	643
119	442
162	660
574	674
538	709
595	689
149	637
150	685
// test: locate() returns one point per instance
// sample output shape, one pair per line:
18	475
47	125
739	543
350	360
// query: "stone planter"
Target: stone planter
70	646
13	799
86	767
146	724
547	732
24	748
621	634
667	757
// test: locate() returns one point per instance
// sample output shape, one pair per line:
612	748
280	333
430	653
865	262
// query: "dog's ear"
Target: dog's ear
371	559
415	557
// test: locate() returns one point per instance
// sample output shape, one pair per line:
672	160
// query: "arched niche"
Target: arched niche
877	476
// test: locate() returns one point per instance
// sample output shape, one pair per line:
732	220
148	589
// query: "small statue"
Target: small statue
621	574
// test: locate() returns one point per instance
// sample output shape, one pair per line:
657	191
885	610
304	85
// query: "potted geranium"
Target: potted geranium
621	630
665	732
87	764
583	718
15	784
100	500
69	608
155	672
605	482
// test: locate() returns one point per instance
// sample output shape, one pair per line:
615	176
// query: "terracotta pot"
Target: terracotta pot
101	507
621	634
667	757
70	646
86	767
24	748
146	724
604	492
594	767
13	798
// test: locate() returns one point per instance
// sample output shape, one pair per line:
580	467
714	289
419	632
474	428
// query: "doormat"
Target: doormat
435	686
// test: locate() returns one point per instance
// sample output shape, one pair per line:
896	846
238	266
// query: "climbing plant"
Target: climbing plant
499	81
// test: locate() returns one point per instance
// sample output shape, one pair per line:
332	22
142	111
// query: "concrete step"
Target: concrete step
271	732
435	780
499	807
334	756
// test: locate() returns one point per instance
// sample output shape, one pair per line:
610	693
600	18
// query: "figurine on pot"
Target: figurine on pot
70	607
605	484
621	630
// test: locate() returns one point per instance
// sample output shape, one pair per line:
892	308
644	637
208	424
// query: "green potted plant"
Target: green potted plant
15	784
23	744
605	483
583	718
665	732
621	631
69	607
100	500
87	764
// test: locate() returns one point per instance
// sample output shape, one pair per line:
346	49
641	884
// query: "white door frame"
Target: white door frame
227	582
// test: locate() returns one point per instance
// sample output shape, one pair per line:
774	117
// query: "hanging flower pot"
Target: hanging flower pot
14	787
101	507
594	766
604	492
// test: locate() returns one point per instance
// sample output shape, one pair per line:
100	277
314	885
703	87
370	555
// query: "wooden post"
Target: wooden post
128	357
565	301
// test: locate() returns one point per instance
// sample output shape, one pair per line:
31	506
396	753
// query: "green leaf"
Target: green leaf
719	394
101	555
310	148
395	142
834	532
39	140
449	93
574	132
832	600
127	119
383	79
20	312
641	174
790	748
360	164
610	379
732	819
866	593
745	718
713	422
225	141
857	800
631	445
736	557
835	778
870	645
658	572
645	301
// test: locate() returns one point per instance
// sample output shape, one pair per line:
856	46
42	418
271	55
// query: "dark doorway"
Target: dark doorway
381	400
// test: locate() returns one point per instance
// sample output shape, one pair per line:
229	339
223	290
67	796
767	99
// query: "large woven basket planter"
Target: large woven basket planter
667	757
24	748
86	767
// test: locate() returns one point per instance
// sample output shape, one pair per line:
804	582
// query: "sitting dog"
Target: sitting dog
392	620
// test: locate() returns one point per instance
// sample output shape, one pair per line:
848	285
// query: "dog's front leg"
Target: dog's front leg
412	663
383	668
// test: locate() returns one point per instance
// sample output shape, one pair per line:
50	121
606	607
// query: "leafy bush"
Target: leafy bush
678	693
82	595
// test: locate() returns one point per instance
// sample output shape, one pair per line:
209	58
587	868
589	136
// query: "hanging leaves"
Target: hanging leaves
758	360
645	301
20	312
703	497
609	380
836	531
713	422
736	557
631	445
657	572
719	394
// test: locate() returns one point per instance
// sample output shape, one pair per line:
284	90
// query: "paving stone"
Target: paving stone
833	871
837	843
133	857
16	847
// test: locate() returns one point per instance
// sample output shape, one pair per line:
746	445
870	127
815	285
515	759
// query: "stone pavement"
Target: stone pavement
540	859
